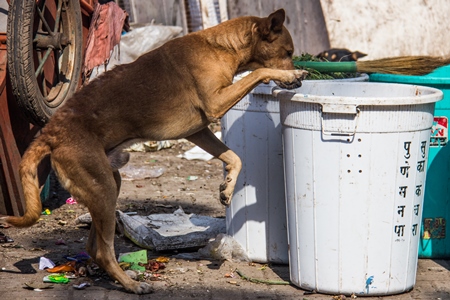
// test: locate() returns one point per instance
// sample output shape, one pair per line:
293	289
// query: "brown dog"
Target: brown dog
172	92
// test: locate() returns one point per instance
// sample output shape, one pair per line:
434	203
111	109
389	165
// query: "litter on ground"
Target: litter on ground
170	231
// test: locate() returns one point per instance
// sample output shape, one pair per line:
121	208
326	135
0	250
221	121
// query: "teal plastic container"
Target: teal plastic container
434	241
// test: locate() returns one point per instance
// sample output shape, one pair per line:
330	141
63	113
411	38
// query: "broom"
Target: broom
402	65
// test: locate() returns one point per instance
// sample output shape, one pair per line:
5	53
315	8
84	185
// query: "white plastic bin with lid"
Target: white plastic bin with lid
355	162
256	218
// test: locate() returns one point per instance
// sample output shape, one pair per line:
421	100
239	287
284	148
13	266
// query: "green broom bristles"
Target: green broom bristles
404	65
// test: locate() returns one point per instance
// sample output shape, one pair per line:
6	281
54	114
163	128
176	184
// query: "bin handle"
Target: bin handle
349	109
336	107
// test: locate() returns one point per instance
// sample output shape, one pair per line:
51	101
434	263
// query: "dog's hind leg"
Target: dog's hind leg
206	140
91	245
89	176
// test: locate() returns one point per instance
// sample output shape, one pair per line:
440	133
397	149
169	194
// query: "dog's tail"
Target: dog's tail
30	183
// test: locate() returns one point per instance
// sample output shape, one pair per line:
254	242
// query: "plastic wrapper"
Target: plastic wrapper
137	42
224	247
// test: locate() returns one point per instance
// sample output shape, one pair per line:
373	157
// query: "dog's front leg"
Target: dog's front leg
206	140
225	98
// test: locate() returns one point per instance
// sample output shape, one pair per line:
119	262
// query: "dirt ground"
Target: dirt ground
58	235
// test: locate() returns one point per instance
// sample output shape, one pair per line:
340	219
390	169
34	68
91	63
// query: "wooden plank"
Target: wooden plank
223	10
9	153
5	205
16	133
193	15
165	12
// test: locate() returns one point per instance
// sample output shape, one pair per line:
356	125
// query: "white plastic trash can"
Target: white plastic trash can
355	159
256	218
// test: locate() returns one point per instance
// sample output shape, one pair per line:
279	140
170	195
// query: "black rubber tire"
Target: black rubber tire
38	96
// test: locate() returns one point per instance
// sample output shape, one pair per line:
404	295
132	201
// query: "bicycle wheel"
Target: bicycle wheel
45	54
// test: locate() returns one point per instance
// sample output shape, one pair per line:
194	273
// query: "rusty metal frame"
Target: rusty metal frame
16	132
9	151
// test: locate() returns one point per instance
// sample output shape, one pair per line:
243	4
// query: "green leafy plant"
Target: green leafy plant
316	75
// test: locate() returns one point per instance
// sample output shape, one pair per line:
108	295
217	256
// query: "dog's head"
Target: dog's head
273	46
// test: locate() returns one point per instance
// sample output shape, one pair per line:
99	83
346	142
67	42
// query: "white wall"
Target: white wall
304	20
389	27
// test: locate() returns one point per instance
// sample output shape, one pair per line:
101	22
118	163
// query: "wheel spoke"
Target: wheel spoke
58	55
42	62
43	20
44	87
58	16
42	83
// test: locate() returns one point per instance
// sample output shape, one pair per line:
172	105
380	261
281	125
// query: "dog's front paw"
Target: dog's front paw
226	192
293	80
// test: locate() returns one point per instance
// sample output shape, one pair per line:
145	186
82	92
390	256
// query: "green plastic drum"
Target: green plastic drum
434	241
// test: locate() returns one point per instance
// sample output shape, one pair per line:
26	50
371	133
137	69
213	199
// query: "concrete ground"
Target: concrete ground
205	280
182	278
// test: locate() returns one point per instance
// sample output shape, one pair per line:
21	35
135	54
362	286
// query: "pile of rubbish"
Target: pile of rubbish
74	267
202	237
135	264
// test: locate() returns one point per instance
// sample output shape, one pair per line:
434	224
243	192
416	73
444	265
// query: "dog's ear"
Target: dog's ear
356	55
272	25
276	20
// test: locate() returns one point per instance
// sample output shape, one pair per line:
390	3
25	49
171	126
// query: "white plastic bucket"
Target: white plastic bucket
256	218
355	162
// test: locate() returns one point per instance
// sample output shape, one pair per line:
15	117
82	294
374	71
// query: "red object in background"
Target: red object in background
12	142
106	27
439	132
441	126
16	132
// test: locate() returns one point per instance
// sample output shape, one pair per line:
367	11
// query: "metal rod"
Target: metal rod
42	62
58	16
41	16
